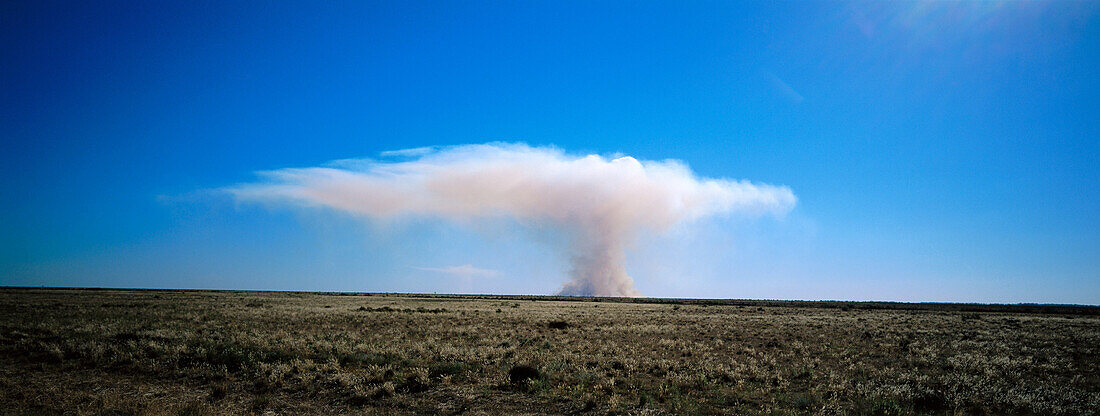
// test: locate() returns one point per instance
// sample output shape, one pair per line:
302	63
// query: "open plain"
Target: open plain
123	352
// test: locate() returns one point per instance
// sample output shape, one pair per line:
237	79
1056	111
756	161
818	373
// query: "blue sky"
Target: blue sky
939	151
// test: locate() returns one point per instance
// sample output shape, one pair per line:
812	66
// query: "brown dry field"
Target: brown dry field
133	352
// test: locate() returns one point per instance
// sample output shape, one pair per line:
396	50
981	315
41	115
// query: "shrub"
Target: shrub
218	392
521	374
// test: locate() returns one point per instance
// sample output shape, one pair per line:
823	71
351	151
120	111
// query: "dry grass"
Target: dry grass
193	352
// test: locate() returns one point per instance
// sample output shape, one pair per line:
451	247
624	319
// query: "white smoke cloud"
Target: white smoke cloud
601	203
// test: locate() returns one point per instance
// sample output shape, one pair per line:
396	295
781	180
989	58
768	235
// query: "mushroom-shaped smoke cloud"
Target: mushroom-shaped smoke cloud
601	203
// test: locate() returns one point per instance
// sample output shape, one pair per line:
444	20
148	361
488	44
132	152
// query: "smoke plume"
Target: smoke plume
600	203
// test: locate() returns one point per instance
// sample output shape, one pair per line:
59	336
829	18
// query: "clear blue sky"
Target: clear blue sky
940	151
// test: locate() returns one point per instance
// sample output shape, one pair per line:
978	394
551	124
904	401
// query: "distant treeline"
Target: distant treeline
843	305
825	304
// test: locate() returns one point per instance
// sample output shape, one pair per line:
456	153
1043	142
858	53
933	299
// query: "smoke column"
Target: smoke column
600	203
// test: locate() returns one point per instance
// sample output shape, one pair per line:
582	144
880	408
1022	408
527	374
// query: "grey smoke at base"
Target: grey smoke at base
600	272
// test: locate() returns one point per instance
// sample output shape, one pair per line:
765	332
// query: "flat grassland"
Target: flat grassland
121	352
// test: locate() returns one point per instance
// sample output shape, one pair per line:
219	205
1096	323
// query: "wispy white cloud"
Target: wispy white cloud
414	152
784	89
465	270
